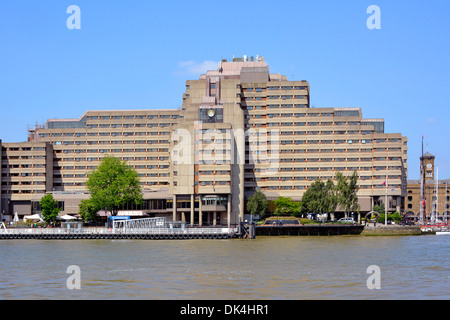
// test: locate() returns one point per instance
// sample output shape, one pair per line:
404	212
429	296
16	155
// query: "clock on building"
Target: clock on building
429	166
211	113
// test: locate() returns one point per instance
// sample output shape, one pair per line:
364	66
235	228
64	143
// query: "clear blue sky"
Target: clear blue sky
138	54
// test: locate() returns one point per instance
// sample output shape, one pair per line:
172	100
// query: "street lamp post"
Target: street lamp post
386	199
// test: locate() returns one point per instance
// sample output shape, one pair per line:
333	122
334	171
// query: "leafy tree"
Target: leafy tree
319	198
50	208
113	185
391	216
379	209
346	192
331	200
257	204
88	211
286	206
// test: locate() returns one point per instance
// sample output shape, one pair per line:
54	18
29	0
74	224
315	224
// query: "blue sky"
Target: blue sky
138	54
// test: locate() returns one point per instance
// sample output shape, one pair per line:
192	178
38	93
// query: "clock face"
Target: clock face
211	113
429	165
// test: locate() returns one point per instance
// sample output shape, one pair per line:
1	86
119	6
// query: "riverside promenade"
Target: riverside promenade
105	233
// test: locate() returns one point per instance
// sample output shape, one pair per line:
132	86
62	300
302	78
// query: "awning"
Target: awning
67	217
33	217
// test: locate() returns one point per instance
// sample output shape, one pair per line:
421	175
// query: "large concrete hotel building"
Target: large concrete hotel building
240	129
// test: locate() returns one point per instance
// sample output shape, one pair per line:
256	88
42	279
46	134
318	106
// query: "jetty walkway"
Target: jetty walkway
104	233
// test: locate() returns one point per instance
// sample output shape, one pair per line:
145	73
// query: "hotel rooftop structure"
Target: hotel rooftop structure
240	129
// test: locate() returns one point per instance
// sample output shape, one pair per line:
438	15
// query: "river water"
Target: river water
270	268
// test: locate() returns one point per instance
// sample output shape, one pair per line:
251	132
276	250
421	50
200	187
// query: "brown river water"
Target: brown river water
268	268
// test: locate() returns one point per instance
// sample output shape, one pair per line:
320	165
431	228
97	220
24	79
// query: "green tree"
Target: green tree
313	198
346	192
50	208
396	217
257	204
319	198
88	211
331	200
286	207
113	185
379	209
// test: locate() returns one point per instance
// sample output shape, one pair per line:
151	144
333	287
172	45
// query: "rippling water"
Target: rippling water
266	268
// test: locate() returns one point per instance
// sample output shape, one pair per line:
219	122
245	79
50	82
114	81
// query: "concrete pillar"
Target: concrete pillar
192	209
229	211
200	213
215	219
174	209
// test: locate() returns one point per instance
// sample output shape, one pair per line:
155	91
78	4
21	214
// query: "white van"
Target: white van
347	220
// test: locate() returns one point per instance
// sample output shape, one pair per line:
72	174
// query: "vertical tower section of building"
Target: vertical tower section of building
208	150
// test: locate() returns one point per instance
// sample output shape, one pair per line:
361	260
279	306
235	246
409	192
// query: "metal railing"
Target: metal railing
99	231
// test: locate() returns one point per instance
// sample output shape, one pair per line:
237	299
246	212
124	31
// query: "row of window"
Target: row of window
283	97
24	149
269	179
23	183
130	117
23	166
149	125
23	191
288	151
340	160
93	134
22	157
109	150
340	141
397	187
274	88
23	174
302	124
93	159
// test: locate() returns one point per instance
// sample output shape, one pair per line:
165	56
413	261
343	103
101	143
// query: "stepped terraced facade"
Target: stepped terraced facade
240	129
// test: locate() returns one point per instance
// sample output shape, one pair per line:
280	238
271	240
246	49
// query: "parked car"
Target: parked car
347	220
